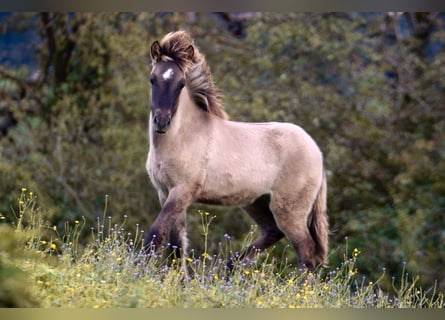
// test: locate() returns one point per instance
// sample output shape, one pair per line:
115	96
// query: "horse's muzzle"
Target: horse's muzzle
161	122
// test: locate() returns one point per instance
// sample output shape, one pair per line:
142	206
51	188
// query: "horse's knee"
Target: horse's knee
169	220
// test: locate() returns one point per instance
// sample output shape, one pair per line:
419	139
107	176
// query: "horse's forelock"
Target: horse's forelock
175	47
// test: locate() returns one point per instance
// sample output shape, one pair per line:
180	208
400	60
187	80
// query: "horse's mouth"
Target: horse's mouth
162	130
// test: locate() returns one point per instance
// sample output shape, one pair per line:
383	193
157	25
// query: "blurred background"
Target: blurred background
369	87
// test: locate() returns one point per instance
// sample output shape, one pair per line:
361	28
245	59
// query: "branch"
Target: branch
48	33
22	84
59	177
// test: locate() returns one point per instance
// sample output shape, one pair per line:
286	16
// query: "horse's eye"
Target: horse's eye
152	80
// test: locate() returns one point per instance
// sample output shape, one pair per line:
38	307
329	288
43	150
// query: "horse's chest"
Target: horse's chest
159	171
166	172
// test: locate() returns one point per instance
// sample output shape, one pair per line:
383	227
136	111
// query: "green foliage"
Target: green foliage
16	285
15	290
91	124
81	129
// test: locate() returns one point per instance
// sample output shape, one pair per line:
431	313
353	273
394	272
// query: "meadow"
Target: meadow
42	266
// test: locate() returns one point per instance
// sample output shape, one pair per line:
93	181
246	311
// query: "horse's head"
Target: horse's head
176	62
167	81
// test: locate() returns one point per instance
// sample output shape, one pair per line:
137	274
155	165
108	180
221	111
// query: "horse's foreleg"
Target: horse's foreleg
170	220
178	242
178	237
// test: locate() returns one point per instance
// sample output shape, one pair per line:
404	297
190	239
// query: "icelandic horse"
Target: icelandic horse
274	171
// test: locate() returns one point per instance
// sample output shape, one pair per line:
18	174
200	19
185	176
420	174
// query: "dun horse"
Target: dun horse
274	171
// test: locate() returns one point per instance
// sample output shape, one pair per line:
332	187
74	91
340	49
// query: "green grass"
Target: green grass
55	270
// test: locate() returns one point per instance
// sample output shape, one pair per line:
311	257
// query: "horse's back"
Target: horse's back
282	142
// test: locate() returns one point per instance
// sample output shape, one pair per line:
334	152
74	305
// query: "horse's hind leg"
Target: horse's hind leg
270	233
291	217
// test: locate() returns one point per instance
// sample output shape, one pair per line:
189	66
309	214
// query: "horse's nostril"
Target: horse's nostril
159	119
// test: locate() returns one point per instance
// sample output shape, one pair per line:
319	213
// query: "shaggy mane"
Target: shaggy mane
198	77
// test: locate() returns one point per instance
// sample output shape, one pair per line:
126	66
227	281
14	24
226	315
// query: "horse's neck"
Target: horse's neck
188	119
188	115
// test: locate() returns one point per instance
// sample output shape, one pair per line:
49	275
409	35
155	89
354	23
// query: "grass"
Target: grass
111	271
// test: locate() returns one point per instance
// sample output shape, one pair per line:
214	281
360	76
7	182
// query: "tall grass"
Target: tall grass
110	270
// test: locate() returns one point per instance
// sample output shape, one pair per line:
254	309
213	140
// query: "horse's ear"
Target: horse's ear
155	51
190	51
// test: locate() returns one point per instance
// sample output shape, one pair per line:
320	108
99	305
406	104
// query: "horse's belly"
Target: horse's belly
233	191
228	199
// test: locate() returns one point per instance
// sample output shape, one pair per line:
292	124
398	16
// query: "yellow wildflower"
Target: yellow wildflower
355	253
